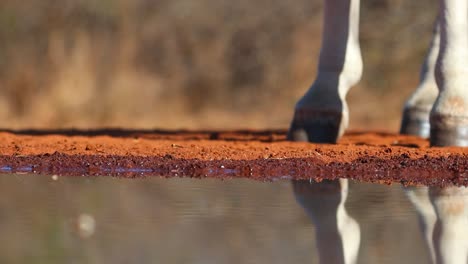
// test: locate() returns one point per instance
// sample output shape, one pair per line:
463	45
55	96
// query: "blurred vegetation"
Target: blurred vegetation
193	64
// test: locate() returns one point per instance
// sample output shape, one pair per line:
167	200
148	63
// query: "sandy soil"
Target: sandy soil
260	155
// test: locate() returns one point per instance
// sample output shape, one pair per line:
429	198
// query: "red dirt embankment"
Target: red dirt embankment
259	155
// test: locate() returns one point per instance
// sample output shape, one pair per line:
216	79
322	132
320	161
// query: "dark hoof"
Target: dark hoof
415	122
317	127
312	188
454	136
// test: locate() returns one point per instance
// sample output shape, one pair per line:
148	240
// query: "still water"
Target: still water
45	219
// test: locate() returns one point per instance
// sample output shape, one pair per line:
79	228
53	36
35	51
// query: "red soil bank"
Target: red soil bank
259	155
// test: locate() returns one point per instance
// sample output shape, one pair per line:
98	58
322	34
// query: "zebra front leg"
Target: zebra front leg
415	119
321	115
337	234
449	115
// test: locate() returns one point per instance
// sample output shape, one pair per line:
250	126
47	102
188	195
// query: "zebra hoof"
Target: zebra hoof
449	130
415	122
317	126
449	136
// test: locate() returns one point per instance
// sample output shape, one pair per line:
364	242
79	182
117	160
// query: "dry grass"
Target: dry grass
193	64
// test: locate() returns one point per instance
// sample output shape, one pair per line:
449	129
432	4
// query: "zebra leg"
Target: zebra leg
415	119
449	115
321	115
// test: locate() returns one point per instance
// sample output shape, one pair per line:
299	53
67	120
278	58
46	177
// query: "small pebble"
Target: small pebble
86	225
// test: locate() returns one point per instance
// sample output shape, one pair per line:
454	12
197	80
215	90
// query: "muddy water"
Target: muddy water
106	220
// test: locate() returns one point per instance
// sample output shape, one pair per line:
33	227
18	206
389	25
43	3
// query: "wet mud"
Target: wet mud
260	155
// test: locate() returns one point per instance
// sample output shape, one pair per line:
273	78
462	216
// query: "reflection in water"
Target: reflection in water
155	220
419	197
337	234
450	235
442	214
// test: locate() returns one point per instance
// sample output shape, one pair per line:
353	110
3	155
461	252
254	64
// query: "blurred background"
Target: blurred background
194	63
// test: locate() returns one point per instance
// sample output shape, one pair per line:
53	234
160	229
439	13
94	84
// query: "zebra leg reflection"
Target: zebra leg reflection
451	229
337	233
419	197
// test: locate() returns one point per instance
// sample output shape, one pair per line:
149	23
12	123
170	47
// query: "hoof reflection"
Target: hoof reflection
443	215
450	235
337	233
419	197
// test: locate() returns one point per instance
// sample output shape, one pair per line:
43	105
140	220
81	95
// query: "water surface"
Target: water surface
50	219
